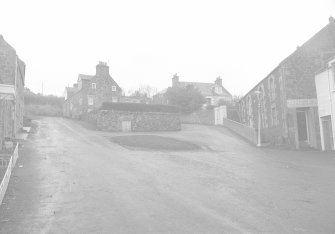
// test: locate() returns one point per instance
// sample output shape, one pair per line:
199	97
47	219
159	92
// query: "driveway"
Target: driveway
74	180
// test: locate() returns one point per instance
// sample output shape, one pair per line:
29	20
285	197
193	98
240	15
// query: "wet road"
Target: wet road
74	180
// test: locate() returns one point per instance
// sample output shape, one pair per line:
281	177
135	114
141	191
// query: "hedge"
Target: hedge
139	107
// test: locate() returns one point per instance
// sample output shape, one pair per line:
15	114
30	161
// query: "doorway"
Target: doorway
327	133
303	131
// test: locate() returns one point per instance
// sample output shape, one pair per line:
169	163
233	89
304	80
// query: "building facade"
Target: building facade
325	90
12	80
90	92
287	97
212	92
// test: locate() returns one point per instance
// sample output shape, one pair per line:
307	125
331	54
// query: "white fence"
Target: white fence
9	163
244	131
5	180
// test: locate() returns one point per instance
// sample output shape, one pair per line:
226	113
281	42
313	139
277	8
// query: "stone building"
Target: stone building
90	92
12	80
287	96
213	92
325	87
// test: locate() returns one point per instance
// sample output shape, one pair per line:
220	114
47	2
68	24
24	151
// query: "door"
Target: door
328	134
302	126
126	126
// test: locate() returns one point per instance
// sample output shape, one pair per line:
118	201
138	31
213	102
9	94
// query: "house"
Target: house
90	92
325	88
213	92
287	99
12	80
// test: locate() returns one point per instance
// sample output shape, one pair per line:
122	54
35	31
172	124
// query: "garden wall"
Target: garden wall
206	117
118	120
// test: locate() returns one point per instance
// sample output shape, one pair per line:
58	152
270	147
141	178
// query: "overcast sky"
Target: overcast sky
147	41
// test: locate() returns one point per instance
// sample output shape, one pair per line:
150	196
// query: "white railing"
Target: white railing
9	163
5	180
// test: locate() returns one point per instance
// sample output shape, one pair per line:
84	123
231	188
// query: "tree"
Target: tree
188	98
143	91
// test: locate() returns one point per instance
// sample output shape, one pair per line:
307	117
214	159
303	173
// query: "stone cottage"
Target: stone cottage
12	80
287	97
213	92
90	92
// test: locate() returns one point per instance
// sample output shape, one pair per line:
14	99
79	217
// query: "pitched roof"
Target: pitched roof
206	89
308	43
84	77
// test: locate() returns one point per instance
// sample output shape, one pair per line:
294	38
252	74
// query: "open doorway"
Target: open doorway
303	131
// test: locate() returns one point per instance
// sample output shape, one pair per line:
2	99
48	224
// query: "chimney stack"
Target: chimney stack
102	69
175	80
218	81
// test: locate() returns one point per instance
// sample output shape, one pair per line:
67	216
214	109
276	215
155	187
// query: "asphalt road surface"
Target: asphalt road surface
70	179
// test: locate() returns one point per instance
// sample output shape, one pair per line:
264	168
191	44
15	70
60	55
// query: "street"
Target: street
70	179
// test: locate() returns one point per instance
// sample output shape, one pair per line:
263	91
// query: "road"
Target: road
70	179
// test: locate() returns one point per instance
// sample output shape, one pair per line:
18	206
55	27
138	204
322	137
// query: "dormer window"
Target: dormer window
113	88
94	86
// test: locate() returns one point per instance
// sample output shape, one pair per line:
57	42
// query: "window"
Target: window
80	101
274	115
113	88
272	88
114	99
218	89
94	86
90	100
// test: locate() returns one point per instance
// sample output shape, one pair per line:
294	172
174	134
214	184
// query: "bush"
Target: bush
139	107
187	98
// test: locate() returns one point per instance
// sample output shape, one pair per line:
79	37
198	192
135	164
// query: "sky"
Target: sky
146	42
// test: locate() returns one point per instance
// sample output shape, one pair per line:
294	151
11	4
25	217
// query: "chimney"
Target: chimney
102	69
175	80
218	81
331	19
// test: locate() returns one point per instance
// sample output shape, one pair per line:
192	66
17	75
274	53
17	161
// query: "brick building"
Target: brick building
90	92
12	79
287	96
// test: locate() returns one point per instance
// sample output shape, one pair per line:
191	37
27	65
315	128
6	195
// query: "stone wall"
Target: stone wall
112	120
206	117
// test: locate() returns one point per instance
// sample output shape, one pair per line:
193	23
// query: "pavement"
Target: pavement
70	179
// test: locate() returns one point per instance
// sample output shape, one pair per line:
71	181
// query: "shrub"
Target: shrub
139	107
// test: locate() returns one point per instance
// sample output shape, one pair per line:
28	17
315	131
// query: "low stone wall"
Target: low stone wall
113	120
206	117
244	131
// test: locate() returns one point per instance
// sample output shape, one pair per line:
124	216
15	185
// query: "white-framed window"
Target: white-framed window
113	88
90	100
94	86
80	101
114	99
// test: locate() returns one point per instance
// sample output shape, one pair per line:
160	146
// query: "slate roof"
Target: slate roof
84	77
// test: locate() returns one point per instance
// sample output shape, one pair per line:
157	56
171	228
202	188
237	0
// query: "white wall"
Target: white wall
323	95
